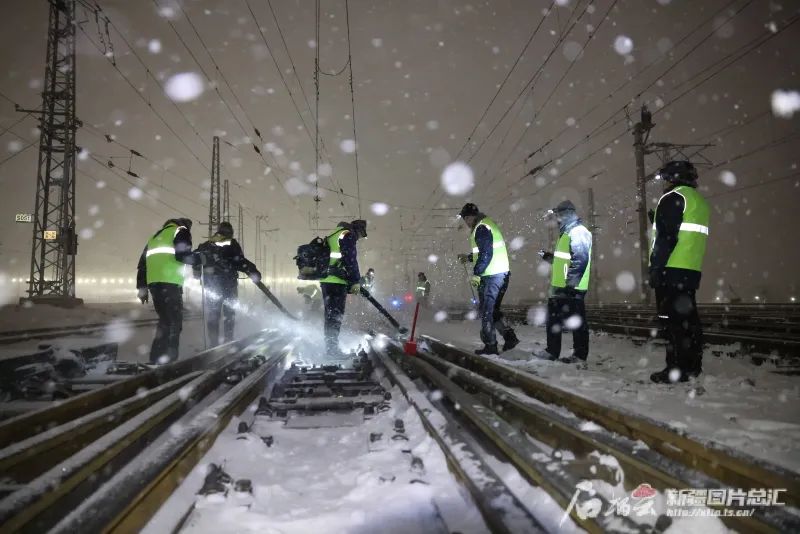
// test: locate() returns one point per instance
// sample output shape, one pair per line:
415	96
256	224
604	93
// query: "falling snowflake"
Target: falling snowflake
377	42
348	146
432	125
379	208
458	179
785	103
433	258
517	243
623	45
14	146
537	315
626	282
184	87
154	46
440	316
134	193
727	178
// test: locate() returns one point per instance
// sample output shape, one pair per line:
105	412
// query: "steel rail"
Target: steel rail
31	423
533	462
135	493
500	508
43	501
718	461
561	431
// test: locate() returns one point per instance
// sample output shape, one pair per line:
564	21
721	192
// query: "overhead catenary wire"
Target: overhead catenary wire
504	170
283	79
353	103
722	65
537	113
149	105
525	88
154	78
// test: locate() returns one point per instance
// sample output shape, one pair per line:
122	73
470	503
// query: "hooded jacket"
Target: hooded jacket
580	247
224	260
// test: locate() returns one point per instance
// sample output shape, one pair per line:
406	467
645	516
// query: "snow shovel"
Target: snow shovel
392	320
264	289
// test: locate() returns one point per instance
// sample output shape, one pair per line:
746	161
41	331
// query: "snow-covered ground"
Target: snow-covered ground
327	480
734	402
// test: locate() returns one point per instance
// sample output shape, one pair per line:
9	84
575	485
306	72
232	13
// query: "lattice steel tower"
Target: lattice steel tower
214	205
52	275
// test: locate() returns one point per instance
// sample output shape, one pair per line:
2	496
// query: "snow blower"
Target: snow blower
392	320
264	289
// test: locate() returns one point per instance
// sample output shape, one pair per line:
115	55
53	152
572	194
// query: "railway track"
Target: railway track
17	336
107	460
755	330
59	457
500	401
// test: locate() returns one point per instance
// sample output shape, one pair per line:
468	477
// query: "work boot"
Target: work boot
487	349
669	375
542	354
510	341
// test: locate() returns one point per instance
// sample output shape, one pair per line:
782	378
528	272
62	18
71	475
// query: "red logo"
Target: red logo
643	491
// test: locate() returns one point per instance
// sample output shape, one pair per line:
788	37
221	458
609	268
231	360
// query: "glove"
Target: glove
465	258
255	276
143	295
651	214
355	289
570	291
475	280
546	256
655	279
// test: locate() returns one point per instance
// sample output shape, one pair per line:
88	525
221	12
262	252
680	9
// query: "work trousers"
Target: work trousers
491	291
567	312
221	299
334	296
168	302
681	328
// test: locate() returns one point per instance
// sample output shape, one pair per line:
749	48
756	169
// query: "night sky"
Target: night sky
423	74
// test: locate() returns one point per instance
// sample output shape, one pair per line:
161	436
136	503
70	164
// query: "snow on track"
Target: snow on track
734	402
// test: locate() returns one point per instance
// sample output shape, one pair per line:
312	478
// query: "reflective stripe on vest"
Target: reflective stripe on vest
499	263
690	249
562	258
335	255
161	265
222	243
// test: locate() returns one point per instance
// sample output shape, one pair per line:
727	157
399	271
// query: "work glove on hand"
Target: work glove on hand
546	256
656	278
475	281
143	295
355	289
255	276
465	258
651	215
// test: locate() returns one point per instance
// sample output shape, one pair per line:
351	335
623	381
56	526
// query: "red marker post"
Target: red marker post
410	346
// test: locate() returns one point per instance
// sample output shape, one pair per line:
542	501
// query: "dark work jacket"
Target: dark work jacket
224	260
349	261
484	240
669	216
183	254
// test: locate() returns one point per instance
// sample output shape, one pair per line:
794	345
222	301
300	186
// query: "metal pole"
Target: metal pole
640	133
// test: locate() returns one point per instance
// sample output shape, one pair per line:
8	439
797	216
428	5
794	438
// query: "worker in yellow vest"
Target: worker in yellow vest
566	309
343	278
161	274
680	232
490	277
